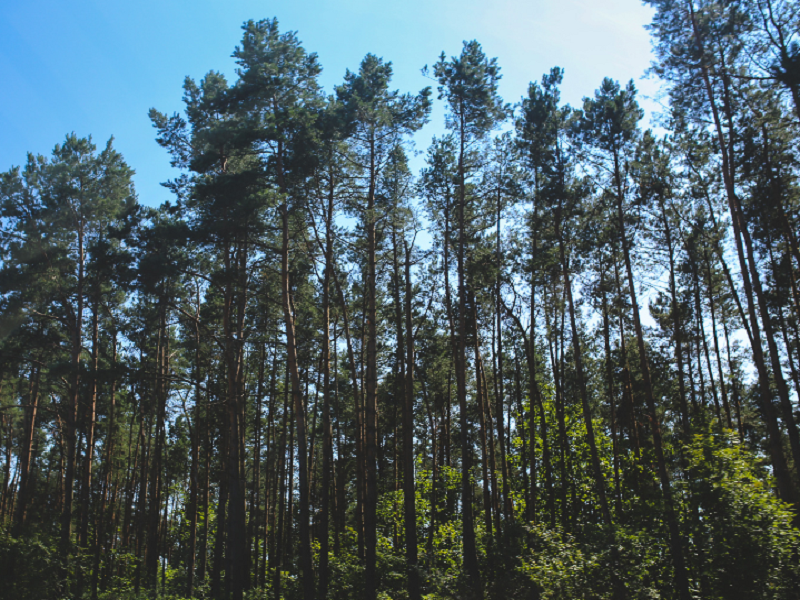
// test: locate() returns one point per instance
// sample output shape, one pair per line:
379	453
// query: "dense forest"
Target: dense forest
562	360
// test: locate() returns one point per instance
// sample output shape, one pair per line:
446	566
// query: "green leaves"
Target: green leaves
740	535
609	120
469	84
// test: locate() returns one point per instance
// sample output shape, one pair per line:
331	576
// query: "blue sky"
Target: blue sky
96	67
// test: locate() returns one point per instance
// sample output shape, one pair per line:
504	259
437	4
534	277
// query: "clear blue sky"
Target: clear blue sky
97	66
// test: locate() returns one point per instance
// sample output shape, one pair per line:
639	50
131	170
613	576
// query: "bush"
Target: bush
742	542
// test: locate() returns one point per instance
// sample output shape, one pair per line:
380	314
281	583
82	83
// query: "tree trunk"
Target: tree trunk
467	520
599	479
676	544
327	445
86	484
26	450
299	409
500	397
611	399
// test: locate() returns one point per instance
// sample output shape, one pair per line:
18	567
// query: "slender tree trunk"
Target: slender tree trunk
702	333
327	444
299	409
270	493
141	504
487	503
722	387
222	512
527	486
195	458
254	531
7	426
409	492
201	571
104	519
491	444
500	399
467	519
676	319
155	488
276	555
559	405
26	450
789	353
341	452
599	479
627	381
611	398
71	414
734	389
359	426
86	484
676	544
371	399
535	396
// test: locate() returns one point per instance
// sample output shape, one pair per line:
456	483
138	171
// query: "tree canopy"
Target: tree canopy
561	361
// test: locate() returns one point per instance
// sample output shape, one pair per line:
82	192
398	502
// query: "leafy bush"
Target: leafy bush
742	542
30	567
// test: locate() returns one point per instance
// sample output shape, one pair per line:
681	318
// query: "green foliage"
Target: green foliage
147	434
742	538
30	565
558	566
602	562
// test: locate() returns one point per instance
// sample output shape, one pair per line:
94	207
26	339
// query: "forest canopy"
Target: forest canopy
560	361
